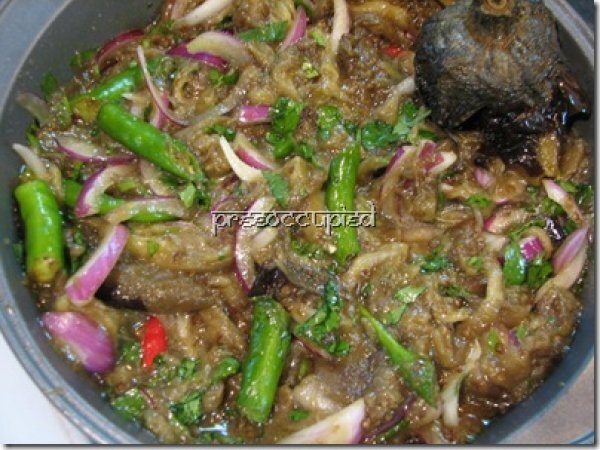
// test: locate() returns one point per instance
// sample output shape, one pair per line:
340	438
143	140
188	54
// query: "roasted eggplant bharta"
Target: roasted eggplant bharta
453	120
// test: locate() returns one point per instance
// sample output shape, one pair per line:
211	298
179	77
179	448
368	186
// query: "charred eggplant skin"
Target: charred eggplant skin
471	58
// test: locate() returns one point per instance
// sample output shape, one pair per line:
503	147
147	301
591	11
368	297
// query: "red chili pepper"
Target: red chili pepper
393	51
154	340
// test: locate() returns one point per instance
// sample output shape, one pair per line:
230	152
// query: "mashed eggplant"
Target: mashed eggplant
447	311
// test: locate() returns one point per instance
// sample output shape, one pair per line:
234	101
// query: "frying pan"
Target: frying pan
41	35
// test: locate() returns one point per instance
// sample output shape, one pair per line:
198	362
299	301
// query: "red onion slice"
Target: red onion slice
151	177
250	154
435	162
222	45
502	219
244	171
157	97
341	23
86	339
343	427
297	30
531	248
570	248
391	177
115	44
171	206
207	58
244	263
82	286
88	201
560	196
204	12
483	177
254	114
84	151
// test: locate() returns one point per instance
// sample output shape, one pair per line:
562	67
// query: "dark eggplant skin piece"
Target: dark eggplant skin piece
496	66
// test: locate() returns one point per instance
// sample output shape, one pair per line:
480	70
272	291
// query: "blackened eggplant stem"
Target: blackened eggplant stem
497	7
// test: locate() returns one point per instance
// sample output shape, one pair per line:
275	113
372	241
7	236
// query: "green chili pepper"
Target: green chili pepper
44	244
418	372
111	90
340	197
108	203
269	345
150	143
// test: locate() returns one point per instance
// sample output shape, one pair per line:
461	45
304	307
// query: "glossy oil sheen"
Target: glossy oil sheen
42	35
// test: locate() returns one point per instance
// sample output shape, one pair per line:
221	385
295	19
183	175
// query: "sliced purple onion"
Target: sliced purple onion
151	177
221	44
341	23
250	154
392	176
37	107
88	201
115	44
343	427
502	219
158	98
244	171
206	11
297	30
206	58
562	197
435	161
484	178
570	248
171	206
531	248
157	118
86	339
254	114
82	286
398	416
244	263
219	204
84	151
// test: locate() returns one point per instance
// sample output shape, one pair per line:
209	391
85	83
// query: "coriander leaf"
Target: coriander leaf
515	265
378	134
569	226
476	262
308	249
221	130
538	271
49	85
456	291
493	340
285	115
328	116
309	70
271	32
409	117
188	195
189	410
406	296
297	415
187	368
584	194
306	152
130	352
480	201
279	187
322	326
435	262
227	367
129	405
551	208
319	38
522	332
218	78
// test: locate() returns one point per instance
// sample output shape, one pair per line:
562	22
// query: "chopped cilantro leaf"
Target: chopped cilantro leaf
221	130
49	85
321	328
187	368
454	290
297	415
480	201
189	410
304	248
309	70
493	340
476	262
129	405
435	262
152	247
285	115
271	32
279	187
409	117
405	296
319	38
538	271
130	352
515	265
378	134
217	78
227	367
328	116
